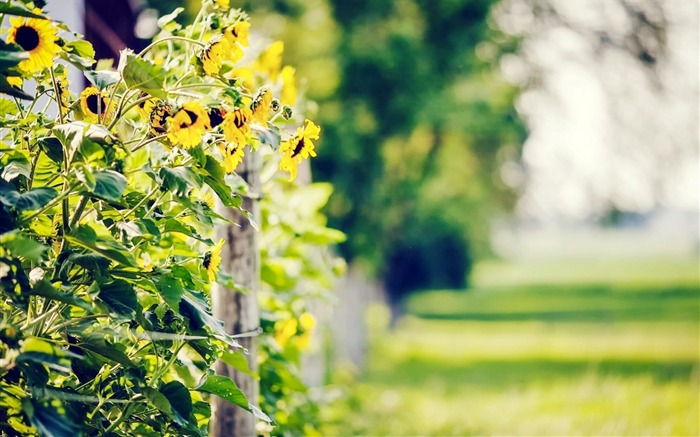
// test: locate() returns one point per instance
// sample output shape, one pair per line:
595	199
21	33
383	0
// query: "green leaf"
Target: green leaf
80	53
84	174
5	87
142	74
167	22
97	344
171	289
22	246
109	185
42	225
196	309
44	288
81	48
102	78
83	137
225	388
268	135
323	236
31	200
214	176
159	400
42	352
259	414
84	236
52	147
120	297
10	56
174	225
6	8
70	134
48	421
239	362
180	400
7	106
180	179
15	164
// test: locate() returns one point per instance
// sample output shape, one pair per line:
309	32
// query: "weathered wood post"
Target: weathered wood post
240	256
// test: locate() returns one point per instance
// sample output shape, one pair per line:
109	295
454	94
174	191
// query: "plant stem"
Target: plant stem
138	146
35	160
155	204
57	95
199	85
118	113
63	196
138	205
75	321
19	107
159	373
170	38
122	417
78	211
111	98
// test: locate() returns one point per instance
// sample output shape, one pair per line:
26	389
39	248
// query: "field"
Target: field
538	348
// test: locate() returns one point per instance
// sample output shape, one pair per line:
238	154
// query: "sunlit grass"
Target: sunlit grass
613	355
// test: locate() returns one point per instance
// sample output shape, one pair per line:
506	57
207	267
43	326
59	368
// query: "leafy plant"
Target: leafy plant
107	203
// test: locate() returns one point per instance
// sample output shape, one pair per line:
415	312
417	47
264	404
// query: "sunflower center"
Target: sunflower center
216	117
207	260
27	37
239	119
93	102
299	147
193	119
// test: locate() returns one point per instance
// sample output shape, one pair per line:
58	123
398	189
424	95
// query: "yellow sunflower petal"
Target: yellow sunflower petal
187	126
36	36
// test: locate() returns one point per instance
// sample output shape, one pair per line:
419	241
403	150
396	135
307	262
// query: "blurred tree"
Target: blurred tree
416	124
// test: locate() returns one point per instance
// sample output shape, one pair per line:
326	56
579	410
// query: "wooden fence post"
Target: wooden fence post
240	256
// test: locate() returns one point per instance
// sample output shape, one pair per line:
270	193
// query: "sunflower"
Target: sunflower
15	81
233	155
223	4
261	106
158	117
298	147
307	322
212	260
270	60
188	124
36	36
237	34
145	107
216	51
63	91
95	105
203	197
289	87
285	330
236	125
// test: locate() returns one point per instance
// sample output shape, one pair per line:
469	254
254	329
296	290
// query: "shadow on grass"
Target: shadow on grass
514	373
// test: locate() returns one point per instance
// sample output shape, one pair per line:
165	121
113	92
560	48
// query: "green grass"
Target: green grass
612	350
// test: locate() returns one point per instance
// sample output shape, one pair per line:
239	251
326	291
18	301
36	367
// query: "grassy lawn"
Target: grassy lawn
539	349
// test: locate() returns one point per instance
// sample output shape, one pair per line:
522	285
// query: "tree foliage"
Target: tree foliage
417	120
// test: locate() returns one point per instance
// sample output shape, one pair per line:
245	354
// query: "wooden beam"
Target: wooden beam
240	256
